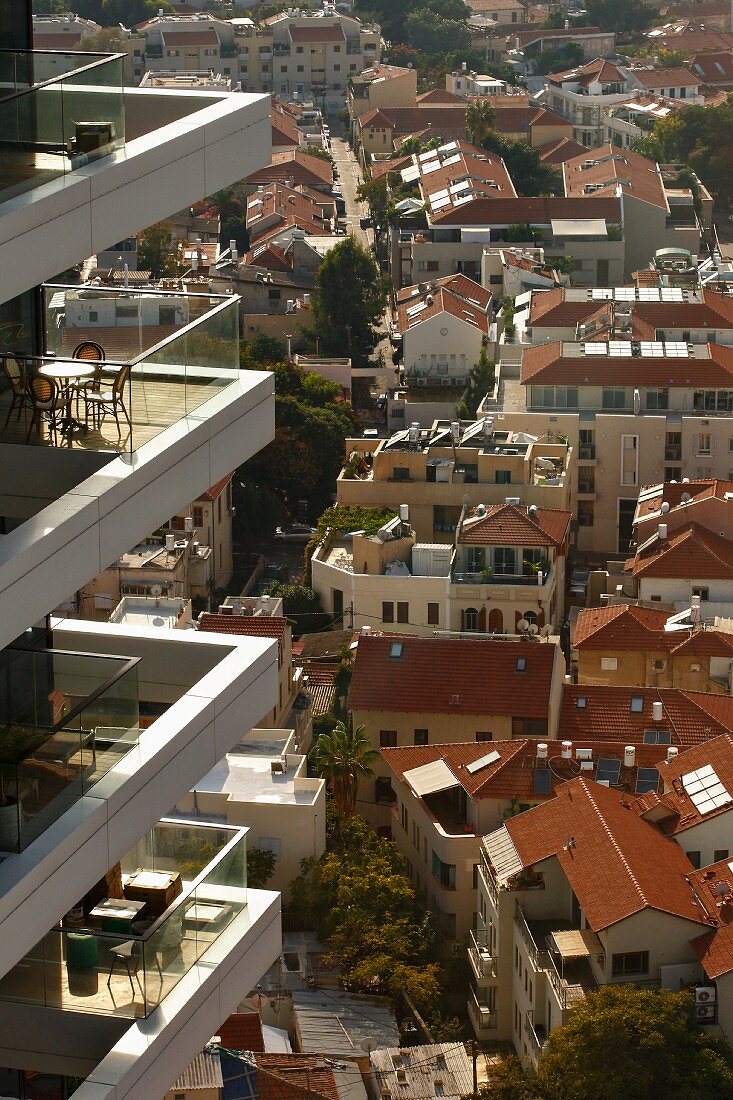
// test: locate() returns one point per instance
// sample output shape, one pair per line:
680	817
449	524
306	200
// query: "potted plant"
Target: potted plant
15	742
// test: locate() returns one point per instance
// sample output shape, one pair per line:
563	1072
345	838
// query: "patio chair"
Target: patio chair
15	375
90	352
46	400
97	404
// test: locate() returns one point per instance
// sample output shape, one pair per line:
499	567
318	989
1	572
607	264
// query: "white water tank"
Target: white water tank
672	751
542	751
405	513
629	756
662	532
566	750
658	710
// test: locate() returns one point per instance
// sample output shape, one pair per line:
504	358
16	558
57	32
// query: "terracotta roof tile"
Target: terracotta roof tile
297	166
714	68
477	676
678	77
672	492
294	1077
604	170
242	1031
598	71
512	525
692	717
683	814
190	38
455	294
216	490
251	626
553	364
692	552
619	864
559	150
714	949
316	33
619	626
534	211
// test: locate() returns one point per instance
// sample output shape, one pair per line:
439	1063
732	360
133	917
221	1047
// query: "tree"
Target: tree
155	252
376	194
623	1043
415	144
480	118
530	175
260	867
480	381
621	16
128	12
364	908
263	349
431	33
105	40
343	758
303	606
560	59
349	297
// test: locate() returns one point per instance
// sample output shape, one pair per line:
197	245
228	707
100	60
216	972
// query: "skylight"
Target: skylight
483	762
637	704
521	664
395	650
705	790
581	702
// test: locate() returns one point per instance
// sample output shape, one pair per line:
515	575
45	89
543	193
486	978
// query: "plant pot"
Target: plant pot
9	826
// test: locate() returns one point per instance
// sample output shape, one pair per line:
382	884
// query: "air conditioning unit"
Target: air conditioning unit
446	382
705	1014
705	994
421	382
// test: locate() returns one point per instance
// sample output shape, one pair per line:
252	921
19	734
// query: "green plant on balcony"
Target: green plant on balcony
541	566
486	575
16	742
615	232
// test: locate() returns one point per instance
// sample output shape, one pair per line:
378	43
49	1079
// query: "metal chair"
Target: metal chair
109	400
46	400
130	955
15	375
90	352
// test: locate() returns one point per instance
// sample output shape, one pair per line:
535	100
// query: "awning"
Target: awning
578	227
430	778
503	855
578	944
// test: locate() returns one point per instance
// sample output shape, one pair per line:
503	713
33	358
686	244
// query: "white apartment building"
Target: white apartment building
85	787
583	94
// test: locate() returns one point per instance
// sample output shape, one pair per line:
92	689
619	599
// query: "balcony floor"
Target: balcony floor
156	405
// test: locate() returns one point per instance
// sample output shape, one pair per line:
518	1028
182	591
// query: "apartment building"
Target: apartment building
554	928
443	324
276	206
381	86
583	93
505	573
630	645
447	797
409	691
432	469
594	42
85	786
306	55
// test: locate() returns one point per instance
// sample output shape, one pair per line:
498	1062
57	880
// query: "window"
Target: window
632	962
505	562
704	443
403	612
470	619
337	68
529	727
672	473
614	397
586	513
694	858
301	68
421	737
444	873
657	399
396	650
298	49
521	665
703	593
629	459
581	702
197	515
609	664
387	612
720	853
637	704
401	473
433	614
383	790
387	739
659	665
503	477
484	736
404	819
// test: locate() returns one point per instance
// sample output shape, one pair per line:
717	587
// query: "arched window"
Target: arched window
496	621
531	617
470	619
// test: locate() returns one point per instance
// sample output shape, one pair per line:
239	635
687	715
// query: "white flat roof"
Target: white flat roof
250	779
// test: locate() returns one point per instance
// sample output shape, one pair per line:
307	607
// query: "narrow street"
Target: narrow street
349	178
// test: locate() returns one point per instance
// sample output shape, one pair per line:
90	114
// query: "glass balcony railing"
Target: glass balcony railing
174	895
65	720
125	365
487	577
58	112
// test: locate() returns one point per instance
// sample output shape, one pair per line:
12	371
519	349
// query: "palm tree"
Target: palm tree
479	121
343	758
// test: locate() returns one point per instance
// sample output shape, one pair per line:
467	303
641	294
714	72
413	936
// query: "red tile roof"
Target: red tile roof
284	128
714	68
683	814
553	364
294	1077
672	492
251	626
440	95
559	150
692	552
476	676
216	490
512	775
382	167
456	294
550	307
513	525
602	171
533	211
692	717
296	167
599	71
525	116
677	77
714	949
446	119
317	33
627	627
190	38
618	865
242	1031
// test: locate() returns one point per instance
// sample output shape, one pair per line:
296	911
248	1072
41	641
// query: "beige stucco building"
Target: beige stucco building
381	86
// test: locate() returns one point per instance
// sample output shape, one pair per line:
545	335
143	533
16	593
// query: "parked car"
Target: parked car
579	582
295	532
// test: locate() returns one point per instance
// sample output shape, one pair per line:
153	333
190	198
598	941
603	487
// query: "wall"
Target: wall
441	340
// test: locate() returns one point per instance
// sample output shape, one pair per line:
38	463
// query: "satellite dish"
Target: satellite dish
545	631
532	629
522	624
369	1044
156	591
721	889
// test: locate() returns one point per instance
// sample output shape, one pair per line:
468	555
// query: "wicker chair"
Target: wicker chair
90	352
15	374
99	403
46	400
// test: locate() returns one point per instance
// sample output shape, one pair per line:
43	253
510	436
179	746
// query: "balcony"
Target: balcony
484	964
536	1035
482	1016
586	452
66	720
173	350
486	577
58	112
564	956
174	894
490	884
673	453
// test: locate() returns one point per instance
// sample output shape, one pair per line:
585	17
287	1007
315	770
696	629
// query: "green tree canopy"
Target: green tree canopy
260	867
344	758
302	606
432	33
349	298
363	907
530	175
623	1043
480	118
480	381
376	194
621	16
560	59
128	12
156	252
